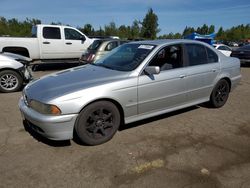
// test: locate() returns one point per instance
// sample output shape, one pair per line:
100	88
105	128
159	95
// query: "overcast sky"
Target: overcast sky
173	15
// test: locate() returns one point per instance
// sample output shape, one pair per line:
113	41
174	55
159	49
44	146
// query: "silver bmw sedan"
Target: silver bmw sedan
135	81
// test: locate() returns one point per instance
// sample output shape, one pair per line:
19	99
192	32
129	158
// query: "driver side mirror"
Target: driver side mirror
150	70
82	38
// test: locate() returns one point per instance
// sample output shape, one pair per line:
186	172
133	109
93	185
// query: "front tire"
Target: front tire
97	123
10	81
220	94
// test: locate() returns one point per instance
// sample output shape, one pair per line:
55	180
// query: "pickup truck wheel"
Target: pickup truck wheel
98	123
10	81
220	94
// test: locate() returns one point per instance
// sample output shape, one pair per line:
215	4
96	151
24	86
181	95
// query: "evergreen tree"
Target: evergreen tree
150	25
211	29
88	30
135	30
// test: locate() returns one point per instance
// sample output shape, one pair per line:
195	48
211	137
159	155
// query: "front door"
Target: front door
75	43
167	89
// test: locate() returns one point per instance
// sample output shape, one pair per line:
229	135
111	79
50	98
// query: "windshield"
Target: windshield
126	57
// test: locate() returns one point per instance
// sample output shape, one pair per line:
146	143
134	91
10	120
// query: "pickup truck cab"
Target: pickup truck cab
48	42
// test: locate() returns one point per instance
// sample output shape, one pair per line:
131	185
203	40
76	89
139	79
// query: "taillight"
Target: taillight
90	57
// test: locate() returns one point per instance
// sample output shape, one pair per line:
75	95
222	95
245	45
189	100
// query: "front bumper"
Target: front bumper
52	127
245	60
26	73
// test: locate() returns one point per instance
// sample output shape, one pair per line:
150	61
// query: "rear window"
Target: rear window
199	54
51	33
95	45
34	31
212	56
111	45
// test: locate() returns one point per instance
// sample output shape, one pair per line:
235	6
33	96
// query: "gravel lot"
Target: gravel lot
194	147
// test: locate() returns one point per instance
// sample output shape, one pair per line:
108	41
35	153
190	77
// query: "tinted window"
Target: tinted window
51	33
95	45
111	46
72	34
169	57
197	54
212	56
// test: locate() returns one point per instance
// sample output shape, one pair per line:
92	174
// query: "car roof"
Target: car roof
168	41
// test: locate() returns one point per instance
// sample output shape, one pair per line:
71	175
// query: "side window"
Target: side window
169	57
197	54
111	46
212	56
51	33
71	34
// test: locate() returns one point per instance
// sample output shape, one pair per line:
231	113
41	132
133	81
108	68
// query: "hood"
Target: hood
71	80
10	56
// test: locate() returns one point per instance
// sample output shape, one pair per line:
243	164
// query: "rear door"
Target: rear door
203	68
51	43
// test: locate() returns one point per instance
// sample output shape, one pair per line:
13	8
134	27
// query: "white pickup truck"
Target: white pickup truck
48	42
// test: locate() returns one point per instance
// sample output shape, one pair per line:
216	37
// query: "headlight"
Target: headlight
44	108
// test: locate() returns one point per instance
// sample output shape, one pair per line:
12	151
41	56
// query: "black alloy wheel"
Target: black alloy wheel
98	123
220	94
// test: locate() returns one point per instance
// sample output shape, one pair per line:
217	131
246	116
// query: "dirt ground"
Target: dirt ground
194	147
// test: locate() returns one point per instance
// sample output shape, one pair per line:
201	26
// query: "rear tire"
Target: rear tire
219	94
10	81
97	123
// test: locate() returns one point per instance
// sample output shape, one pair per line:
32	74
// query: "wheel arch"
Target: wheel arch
10	69
17	50
228	81
117	104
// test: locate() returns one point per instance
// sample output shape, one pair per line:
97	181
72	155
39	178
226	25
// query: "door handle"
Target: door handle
46	42
182	76
68	43
213	70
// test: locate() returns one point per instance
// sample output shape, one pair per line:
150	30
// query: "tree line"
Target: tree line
145	29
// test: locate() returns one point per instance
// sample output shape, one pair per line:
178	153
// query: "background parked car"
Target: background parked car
243	53
99	48
48	42
14	72
226	50
233	44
